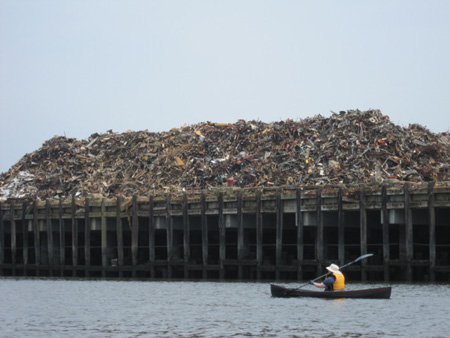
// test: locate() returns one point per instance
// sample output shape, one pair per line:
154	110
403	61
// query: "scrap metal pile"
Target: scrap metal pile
346	148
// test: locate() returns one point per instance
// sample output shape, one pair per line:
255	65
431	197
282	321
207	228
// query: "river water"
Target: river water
86	308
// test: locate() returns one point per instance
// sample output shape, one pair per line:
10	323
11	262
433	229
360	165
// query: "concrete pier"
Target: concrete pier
284	233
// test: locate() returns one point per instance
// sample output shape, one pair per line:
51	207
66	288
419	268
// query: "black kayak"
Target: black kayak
376	293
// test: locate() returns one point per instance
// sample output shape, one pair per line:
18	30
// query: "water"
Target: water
76	308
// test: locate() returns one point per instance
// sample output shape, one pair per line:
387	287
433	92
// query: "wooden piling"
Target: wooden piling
62	240
134	235
341	230
222	237
186	237
49	228
300	235
385	229
151	237
240	233
259	236
13	236
279	235
319	234
74	226
408	233
363	229
37	238
87	238
169	234
119	230
204	226
25	238
104	238
432	230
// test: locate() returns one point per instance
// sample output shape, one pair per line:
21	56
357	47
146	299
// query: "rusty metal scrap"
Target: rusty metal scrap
346	148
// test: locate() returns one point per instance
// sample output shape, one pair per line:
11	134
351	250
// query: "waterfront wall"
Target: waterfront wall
285	233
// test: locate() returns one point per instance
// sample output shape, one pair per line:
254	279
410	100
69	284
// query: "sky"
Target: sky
75	68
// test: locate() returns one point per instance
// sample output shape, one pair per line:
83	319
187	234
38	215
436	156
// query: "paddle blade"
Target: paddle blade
362	257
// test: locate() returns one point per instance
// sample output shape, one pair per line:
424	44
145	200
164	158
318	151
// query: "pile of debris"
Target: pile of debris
346	148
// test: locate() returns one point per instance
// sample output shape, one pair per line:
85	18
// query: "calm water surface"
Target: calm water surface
73	308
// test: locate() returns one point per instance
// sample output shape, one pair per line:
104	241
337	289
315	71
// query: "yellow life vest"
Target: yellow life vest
339	283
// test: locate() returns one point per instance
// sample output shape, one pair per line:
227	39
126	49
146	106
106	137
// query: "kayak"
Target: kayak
376	293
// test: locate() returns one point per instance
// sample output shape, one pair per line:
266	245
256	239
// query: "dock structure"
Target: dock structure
285	233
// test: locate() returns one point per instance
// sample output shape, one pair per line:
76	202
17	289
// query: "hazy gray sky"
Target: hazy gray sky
74	68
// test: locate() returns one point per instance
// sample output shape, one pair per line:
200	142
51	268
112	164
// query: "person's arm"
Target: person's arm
323	285
318	285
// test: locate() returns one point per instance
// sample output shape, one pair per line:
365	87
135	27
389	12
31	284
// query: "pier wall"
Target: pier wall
286	233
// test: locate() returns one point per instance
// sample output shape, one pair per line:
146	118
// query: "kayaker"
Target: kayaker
335	279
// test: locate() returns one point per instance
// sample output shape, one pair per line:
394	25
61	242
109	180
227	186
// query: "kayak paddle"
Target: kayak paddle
356	260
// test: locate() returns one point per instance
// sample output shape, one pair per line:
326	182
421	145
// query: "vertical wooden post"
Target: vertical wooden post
49	225
409	233
204	236
432	229
134	235
87	238
259	236
363	229
37	237
25	238
13	236
119	235
186	237
319	235
169	234
151	237
62	239
341	229
386	253
74	225
299	223
240	237
104	231
222	238
279	235
2	240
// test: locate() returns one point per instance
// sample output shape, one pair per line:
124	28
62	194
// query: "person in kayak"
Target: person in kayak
335	279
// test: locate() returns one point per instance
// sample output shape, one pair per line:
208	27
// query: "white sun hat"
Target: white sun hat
333	268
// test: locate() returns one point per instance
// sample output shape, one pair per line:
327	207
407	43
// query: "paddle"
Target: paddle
356	260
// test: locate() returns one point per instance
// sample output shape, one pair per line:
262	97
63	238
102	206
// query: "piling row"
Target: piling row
286	233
